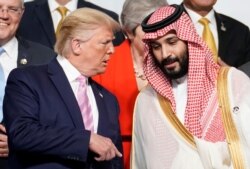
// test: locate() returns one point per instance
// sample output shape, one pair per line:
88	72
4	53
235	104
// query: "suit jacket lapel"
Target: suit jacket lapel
61	83
102	109
223	35
22	57
58	78
43	13
81	4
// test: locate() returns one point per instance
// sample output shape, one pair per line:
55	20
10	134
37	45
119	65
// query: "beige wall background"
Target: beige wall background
236	9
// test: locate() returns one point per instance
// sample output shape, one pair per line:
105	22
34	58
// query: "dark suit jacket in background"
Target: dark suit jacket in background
234	40
34	54
37	24
245	68
44	122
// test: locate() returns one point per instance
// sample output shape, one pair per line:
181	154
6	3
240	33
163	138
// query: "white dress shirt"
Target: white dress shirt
8	61
72	74
180	95
195	17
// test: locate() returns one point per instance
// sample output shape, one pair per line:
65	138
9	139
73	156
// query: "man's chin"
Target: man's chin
174	74
101	71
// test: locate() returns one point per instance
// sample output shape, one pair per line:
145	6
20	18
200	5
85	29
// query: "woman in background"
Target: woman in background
124	76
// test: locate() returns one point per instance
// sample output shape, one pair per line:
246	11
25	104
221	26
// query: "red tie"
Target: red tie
84	103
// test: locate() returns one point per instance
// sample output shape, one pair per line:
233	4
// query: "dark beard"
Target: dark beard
171	73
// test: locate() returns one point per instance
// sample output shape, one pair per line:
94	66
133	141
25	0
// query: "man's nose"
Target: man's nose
166	52
111	49
4	13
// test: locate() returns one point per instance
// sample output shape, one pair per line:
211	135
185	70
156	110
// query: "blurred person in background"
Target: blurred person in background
124	76
15	51
231	38
42	19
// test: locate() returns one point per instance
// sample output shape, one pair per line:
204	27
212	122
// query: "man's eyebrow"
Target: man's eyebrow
154	43
166	39
172	37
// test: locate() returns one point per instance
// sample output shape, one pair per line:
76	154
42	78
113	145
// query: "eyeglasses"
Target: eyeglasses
12	10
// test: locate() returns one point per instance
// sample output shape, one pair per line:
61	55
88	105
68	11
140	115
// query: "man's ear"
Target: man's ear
76	46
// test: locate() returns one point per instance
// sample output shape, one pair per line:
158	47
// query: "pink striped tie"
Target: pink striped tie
84	104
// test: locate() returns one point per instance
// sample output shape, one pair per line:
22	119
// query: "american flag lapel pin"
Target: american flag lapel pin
23	61
222	27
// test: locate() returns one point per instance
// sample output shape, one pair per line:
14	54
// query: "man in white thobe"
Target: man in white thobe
194	114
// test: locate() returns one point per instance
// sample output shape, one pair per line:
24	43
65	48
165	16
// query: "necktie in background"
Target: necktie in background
63	11
2	86
84	104
208	37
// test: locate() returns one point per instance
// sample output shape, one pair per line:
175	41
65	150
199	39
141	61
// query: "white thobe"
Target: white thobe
157	144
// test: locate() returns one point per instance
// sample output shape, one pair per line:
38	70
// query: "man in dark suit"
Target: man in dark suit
48	123
15	52
232	38
41	18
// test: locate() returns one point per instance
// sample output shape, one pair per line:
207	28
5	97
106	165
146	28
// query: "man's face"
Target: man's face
10	15
94	53
171	55
200	5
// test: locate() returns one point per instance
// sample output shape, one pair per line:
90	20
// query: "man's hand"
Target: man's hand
104	147
4	150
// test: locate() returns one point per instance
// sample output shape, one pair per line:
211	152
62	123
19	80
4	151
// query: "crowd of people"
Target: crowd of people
165	88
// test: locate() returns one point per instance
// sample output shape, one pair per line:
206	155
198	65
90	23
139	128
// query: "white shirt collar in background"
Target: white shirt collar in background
9	57
199	27
56	16
8	61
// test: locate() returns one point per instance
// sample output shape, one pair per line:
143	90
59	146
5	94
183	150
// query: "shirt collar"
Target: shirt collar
10	46
70	71
195	16
71	5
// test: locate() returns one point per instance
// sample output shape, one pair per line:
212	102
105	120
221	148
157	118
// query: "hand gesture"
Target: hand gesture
104	147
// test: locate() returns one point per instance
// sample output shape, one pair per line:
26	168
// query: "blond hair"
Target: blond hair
81	23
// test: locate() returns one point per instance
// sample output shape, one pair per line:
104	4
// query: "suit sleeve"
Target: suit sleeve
117	162
247	42
111	129
27	135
